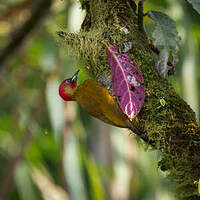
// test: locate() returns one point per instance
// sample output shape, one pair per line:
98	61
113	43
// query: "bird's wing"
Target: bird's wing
97	101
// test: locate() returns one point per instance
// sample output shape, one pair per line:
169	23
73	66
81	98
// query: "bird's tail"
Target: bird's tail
141	133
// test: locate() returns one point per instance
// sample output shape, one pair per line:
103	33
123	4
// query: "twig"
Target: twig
140	16
39	9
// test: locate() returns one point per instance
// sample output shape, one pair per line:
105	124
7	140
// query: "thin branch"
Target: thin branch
39	10
140	16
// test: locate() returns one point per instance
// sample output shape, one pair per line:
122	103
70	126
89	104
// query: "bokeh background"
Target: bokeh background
52	150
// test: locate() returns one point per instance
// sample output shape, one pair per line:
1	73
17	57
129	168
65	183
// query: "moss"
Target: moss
108	27
173	126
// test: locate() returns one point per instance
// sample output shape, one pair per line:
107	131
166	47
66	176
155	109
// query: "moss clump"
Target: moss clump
107	24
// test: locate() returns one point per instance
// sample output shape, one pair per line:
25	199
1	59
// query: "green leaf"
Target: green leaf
165	33
195	4
165	37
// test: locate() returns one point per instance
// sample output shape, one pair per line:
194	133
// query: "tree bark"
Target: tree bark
172	127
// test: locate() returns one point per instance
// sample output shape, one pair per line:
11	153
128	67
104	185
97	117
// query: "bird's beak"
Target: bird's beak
75	77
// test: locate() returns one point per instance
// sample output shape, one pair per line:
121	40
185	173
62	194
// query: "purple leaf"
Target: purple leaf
127	82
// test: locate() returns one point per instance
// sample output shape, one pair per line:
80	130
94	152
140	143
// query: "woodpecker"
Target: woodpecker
96	100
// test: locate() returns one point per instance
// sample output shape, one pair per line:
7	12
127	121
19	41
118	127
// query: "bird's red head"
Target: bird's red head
67	87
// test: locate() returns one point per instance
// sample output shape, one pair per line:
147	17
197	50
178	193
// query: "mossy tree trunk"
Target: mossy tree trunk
171	127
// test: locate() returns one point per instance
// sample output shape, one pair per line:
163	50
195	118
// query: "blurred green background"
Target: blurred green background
53	150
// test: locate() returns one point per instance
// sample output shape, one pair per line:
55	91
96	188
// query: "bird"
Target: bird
95	99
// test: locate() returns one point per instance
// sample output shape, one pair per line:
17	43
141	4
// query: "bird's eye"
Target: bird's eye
67	82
